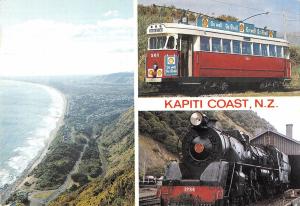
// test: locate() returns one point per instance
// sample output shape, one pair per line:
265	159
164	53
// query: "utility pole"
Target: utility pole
284	24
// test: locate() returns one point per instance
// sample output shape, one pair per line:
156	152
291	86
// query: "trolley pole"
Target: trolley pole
264	13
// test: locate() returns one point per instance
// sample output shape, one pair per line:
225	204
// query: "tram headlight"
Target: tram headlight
150	72
196	118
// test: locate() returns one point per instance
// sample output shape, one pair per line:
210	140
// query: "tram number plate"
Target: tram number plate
153	80
189	189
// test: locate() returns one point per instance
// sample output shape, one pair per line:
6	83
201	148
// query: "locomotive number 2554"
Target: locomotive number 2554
189	189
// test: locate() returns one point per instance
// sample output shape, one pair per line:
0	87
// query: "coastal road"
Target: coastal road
68	182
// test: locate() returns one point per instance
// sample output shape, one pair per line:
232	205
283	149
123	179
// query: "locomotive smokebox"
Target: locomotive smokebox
203	145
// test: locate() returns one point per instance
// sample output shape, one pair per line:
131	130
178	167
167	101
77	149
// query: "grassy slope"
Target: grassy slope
117	185
153	155
159	132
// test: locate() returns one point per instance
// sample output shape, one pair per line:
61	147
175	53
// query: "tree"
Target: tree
227	18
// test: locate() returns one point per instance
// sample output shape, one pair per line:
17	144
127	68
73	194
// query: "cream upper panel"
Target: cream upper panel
174	28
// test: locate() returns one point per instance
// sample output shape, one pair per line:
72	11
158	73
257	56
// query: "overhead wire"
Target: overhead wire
257	9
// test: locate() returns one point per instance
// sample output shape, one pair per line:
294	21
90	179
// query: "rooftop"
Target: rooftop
277	133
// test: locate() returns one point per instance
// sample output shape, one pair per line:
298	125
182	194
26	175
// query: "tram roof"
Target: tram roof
178	28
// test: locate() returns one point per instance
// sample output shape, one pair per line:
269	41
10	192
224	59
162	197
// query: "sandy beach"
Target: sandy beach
9	189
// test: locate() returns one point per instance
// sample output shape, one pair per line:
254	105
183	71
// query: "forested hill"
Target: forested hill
159	133
116	185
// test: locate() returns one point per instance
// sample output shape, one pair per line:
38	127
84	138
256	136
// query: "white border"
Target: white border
210	103
136	129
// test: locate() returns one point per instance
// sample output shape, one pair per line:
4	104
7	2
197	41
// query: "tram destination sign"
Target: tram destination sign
234	26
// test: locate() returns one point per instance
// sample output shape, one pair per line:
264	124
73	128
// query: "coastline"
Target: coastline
17	184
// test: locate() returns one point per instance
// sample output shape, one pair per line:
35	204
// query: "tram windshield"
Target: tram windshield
161	42
157	42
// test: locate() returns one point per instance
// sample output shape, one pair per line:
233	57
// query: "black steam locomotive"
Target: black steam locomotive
222	168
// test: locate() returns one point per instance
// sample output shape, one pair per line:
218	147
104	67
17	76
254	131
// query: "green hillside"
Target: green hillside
116	187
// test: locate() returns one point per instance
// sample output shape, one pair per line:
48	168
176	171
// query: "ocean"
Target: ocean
28	114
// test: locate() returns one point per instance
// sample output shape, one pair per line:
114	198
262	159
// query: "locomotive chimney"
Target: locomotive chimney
289	130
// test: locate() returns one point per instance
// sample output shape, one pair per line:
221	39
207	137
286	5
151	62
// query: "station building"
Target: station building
285	143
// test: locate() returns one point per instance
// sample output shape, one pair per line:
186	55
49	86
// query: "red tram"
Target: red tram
216	53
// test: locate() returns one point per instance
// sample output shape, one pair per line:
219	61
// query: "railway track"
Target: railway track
291	197
149	200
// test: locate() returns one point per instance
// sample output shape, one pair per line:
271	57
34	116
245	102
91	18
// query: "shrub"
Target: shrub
82	179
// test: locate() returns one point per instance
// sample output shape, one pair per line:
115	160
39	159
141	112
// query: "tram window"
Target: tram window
170	44
286	52
157	42
272	50
279	51
236	47
216	44
264	50
246	48
256	49
204	43
152	42
226	46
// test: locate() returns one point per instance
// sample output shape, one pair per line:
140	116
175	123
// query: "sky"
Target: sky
243	9
284	115
66	37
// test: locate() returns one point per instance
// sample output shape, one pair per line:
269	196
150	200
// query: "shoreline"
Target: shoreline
6	192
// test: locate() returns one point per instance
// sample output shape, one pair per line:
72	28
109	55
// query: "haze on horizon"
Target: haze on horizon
70	37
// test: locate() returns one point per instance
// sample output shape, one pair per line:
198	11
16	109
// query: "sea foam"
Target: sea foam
35	141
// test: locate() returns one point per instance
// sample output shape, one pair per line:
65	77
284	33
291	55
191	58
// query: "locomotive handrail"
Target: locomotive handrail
231	179
261	167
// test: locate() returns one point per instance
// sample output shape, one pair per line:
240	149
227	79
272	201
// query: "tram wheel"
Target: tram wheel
224	86
262	85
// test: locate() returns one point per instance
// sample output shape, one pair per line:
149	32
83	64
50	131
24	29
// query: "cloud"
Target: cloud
42	47
111	13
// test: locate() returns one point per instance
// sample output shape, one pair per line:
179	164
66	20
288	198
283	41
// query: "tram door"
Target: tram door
186	56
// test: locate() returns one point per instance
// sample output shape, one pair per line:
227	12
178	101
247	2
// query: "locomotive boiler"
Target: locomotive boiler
222	168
